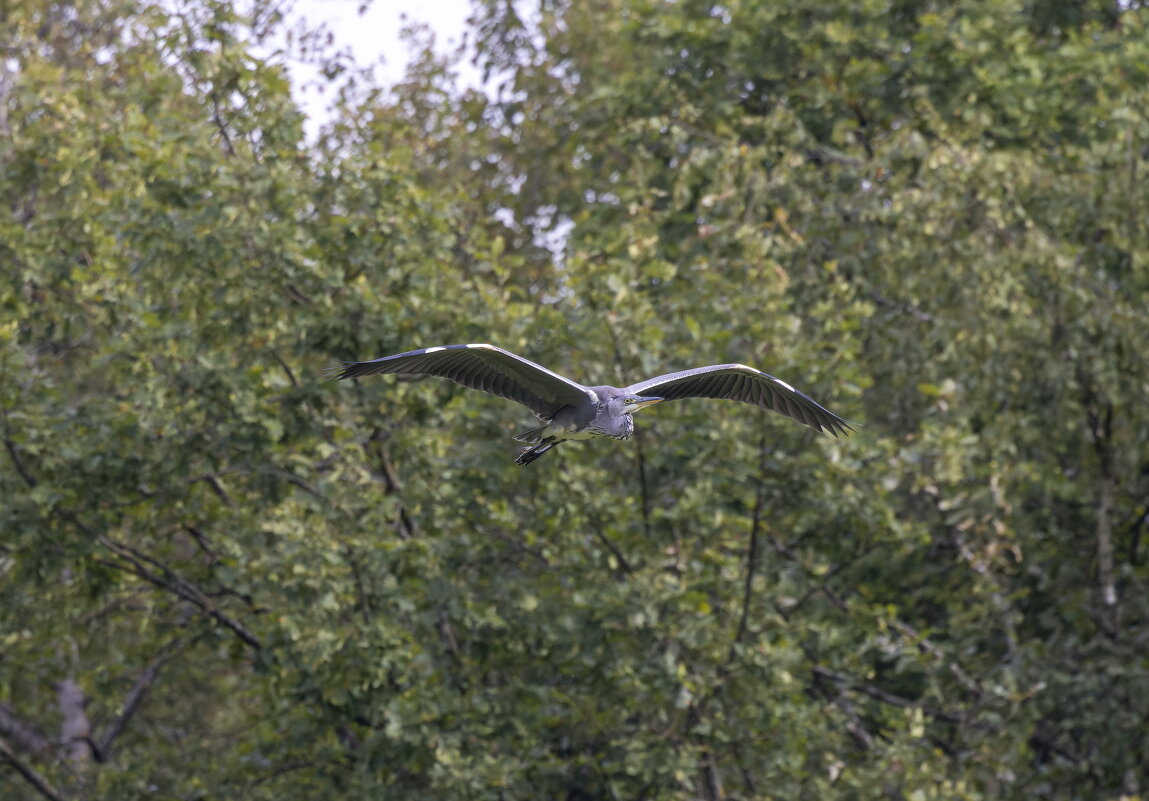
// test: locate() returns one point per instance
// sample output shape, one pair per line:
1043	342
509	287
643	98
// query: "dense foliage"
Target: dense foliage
223	577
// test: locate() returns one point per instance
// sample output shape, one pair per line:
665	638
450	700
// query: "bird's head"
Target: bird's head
622	402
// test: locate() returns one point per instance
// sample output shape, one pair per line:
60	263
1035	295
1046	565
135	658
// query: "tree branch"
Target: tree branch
287	369
22	733
173	582
623	564
907	308
29	479
838	698
1099	414
878	694
644	485
138	560
751	552
7	81
218	488
404	525
43	787
135	697
201	540
925	646
534	553
217	118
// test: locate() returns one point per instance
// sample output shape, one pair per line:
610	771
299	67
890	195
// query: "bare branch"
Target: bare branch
29	479
751	552
535	554
299	482
823	154
927	647
878	694
30	774
1099	414
201	540
22	733
169	580
404	525
217	118
135	697
862	737
643	484
907	308
623	564
287	369
218	488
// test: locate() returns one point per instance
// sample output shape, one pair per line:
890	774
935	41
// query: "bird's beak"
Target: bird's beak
643	402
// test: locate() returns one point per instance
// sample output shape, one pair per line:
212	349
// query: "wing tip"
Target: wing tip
839	426
337	372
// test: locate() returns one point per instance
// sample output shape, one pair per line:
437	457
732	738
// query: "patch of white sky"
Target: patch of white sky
370	31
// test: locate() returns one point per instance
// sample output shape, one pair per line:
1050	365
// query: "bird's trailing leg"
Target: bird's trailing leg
535	451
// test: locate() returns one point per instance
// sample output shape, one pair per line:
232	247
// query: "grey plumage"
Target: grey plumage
741	383
570	410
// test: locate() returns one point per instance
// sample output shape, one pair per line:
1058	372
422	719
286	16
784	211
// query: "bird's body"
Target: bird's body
572	411
588	421
610	417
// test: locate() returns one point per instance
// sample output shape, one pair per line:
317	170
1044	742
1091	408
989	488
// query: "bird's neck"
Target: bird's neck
627	426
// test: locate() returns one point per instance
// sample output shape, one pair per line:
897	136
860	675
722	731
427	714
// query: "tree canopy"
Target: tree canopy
224	577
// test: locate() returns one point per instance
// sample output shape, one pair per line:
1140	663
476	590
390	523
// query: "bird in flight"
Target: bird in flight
571	411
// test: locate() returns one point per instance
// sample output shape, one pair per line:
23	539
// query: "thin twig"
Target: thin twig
201	540
539	558
861	735
217	487
927	647
751	552
623	564
403	524
908	308
644	485
217	118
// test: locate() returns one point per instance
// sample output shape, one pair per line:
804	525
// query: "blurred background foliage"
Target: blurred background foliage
223	577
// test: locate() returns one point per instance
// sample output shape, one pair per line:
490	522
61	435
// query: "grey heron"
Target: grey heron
571	411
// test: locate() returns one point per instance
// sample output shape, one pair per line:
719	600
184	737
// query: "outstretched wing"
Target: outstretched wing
741	383
486	368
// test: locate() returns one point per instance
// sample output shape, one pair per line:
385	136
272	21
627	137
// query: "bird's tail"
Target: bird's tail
535	451
532	435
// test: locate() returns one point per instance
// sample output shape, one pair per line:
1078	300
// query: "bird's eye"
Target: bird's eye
629	400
